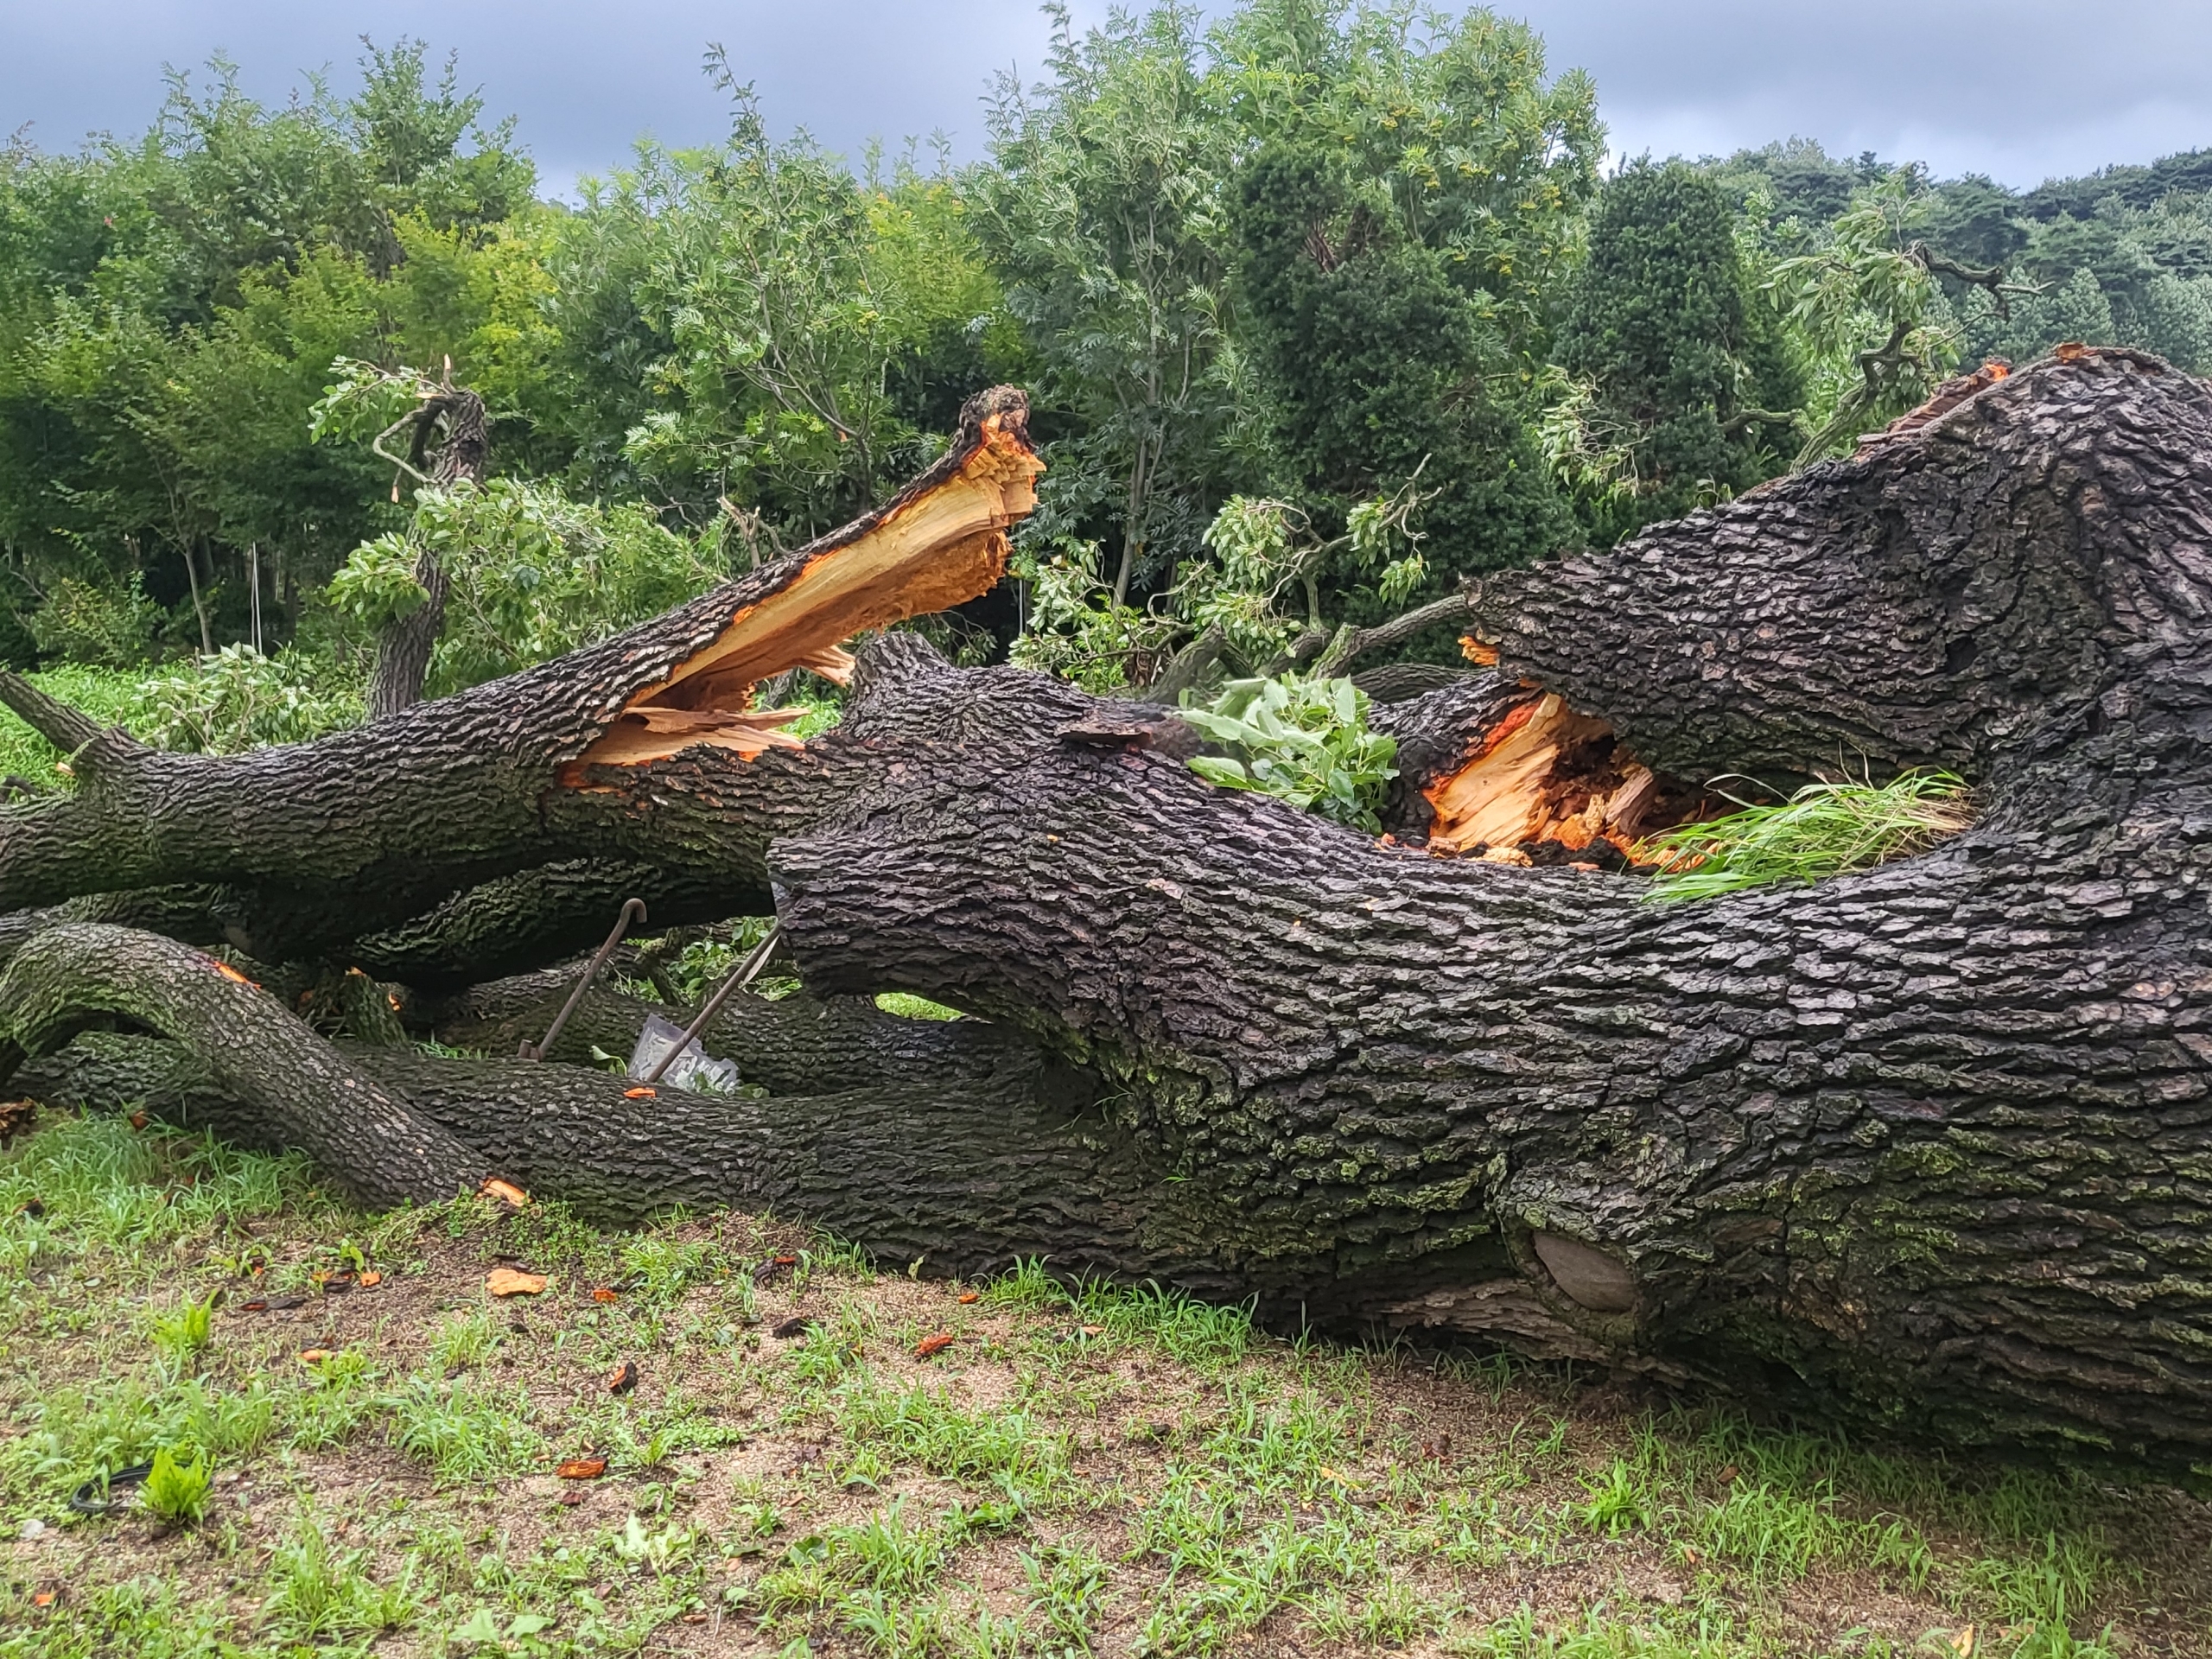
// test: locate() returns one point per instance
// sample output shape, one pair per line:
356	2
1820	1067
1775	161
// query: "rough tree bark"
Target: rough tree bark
1928	1145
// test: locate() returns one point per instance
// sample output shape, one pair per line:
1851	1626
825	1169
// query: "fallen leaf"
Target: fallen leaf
797	1325
967	1296
936	1344
773	1266
43	1598
507	1191
1727	1474
512	1282
137	1120
625	1377
1094	1330
570	1498
233	976
603	1294
641	1093
2072	351
1962	1643
314	1356
16	1116
582	1469
370	1279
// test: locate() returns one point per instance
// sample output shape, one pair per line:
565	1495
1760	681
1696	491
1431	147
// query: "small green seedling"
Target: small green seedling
187	1330
177	1491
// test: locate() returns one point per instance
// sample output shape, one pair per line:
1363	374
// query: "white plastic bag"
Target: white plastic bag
692	1069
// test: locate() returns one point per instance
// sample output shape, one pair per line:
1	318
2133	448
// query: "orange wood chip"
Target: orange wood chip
314	1356
582	1469
604	1294
233	974
505	1191
512	1282
936	1344
370	1279
967	1296
1477	652
624	1377
43	1598
641	1094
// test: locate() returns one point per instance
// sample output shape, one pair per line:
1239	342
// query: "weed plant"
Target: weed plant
1824	830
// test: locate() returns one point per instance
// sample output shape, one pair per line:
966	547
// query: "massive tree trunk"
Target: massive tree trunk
1928	1145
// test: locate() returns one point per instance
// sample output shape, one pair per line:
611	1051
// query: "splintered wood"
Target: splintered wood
939	545
1547	774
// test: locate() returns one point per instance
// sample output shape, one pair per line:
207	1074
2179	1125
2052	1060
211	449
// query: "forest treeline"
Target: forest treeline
1322	307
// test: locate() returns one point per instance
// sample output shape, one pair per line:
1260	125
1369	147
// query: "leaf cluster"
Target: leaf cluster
1302	741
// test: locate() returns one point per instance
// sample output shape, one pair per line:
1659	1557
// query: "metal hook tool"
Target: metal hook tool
633	910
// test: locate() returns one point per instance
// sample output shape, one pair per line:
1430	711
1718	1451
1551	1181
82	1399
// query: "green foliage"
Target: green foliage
238	700
319	1593
1101	214
533	574
173	304
1377	363
1302	741
177	1490
907	1005
1685	363
815	330
1322	304
1864	310
101	626
1618	1502
1824	830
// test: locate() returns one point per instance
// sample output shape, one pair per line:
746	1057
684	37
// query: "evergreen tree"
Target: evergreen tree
1684	360
1372	360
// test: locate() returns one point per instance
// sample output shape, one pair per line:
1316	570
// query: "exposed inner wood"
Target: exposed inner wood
1545	773
941	548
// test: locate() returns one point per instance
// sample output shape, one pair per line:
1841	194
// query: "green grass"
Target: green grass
1824	830
109	695
1083	1470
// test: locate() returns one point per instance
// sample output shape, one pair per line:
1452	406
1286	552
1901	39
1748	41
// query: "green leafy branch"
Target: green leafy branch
1302	741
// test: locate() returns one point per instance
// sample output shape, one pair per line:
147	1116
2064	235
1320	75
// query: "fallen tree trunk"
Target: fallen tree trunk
1928	1145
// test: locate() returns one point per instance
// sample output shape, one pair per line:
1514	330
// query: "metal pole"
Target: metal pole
633	910
754	963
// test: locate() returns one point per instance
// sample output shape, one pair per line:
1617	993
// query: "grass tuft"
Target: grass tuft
1823	831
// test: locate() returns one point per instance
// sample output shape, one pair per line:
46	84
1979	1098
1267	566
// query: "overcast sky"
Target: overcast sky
2022	90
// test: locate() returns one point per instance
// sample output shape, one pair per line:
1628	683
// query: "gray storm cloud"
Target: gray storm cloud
2021	90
